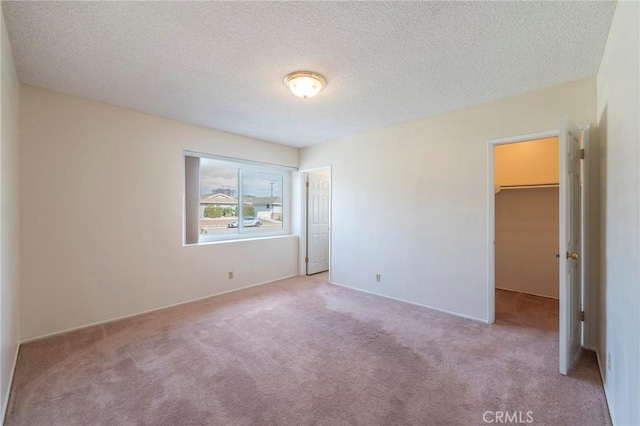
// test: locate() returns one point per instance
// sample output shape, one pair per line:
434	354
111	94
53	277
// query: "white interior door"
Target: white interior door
570	256
318	221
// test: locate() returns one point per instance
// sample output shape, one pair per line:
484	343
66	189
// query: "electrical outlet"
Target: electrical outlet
609	361
377	278
230	275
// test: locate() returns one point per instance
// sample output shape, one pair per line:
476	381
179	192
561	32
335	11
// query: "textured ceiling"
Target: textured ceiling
221	64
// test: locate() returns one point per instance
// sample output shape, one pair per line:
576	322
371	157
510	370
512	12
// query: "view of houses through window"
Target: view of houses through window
224	190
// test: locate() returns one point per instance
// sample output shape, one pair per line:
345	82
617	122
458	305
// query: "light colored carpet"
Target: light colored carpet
301	352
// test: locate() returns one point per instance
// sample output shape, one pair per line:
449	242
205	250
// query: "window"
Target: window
233	199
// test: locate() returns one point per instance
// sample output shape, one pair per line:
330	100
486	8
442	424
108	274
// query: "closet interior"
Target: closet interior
527	217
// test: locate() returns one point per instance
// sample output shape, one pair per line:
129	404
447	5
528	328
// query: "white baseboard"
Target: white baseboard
456	314
606	396
5	403
526	292
68	330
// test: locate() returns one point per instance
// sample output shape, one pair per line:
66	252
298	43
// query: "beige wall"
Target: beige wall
9	220
431	246
527	163
527	229
618	133
101	201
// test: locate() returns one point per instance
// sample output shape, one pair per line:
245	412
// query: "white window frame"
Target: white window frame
242	165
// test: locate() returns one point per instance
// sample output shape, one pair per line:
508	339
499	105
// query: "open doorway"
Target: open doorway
526	182
573	235
318	221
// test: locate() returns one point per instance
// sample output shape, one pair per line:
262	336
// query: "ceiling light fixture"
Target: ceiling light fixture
305	84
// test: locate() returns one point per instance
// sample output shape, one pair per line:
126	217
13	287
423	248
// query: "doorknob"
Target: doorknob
573	256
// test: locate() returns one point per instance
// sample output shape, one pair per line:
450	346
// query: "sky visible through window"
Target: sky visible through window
225	180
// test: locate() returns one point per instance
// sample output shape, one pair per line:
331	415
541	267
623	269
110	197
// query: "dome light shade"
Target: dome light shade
305	84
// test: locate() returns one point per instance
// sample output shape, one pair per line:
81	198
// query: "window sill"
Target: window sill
236	239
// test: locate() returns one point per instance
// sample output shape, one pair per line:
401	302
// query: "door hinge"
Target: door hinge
306	184
582	154
581	315
306	260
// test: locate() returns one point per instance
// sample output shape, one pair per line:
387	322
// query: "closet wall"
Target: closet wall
527	217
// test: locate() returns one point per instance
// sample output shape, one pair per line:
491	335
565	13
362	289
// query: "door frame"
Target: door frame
491	212
585	223
491	217
304	176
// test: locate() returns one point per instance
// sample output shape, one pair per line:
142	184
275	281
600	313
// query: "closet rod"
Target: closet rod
532	186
